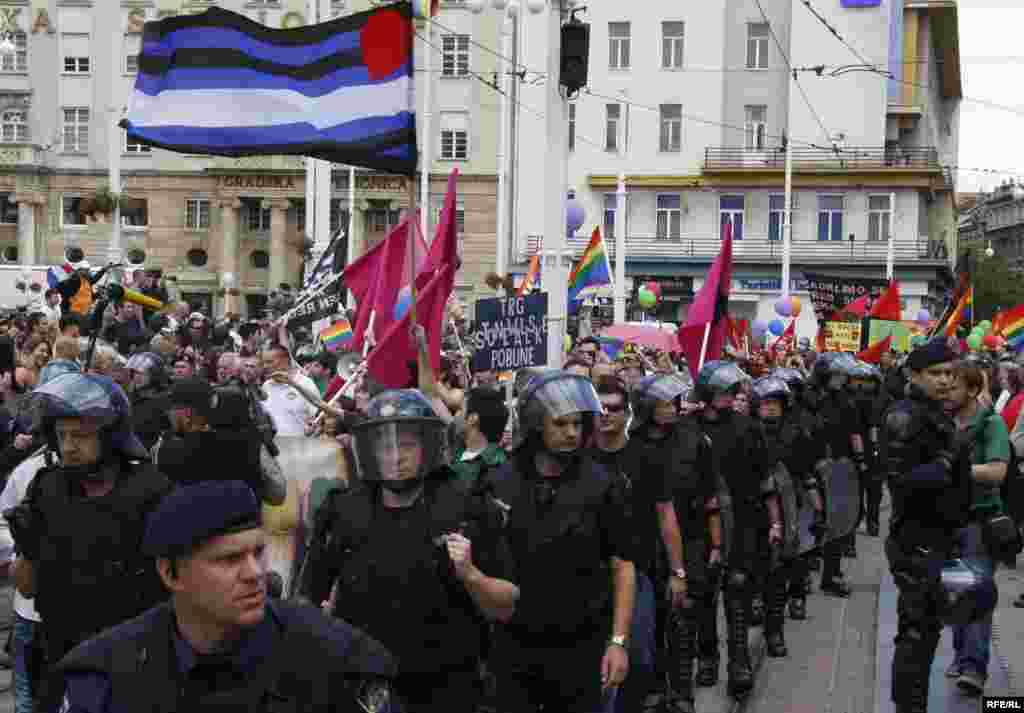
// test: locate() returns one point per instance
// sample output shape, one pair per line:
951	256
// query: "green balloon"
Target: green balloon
647	298
974	341
985	325
918	340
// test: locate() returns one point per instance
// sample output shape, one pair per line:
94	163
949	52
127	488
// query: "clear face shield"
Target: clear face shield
399	454
556	396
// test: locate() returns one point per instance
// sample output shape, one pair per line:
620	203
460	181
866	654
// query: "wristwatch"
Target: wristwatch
619	641
679	573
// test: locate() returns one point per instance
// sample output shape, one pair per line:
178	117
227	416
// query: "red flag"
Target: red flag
790	334
361	275
707	314
390	276
732	330
389	362
887	306
445	248
858	307
873	354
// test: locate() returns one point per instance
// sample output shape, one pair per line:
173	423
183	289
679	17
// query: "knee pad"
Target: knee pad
737	582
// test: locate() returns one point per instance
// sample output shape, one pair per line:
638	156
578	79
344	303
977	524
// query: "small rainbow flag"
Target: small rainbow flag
1011	326
592	271
532	277
962	313
337	336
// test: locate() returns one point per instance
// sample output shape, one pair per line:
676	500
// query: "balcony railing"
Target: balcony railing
758	248
813	159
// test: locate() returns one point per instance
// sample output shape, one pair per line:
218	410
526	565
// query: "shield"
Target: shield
840	483
727	519
797	515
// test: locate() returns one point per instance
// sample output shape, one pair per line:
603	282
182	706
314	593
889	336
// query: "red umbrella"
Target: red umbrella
648	336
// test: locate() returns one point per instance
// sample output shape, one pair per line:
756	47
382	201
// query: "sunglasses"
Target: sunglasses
614	408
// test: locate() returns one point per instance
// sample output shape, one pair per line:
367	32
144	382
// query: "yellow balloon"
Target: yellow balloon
797	306
568	343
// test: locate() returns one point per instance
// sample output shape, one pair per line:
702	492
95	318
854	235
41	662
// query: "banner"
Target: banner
902	333
833	292
842	337
323	305
511	333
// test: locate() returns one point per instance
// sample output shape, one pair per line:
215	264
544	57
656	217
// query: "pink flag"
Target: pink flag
710	307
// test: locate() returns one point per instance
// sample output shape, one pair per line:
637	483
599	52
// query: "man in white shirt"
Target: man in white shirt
290	412
50	305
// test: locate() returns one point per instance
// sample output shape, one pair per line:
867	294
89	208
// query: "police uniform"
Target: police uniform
929	478
295	659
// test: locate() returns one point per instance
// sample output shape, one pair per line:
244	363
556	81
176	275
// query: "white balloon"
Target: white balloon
513	8
499	4
475	6
536	6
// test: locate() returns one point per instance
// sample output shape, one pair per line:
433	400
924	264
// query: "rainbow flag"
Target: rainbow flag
337	336
962	313
532	278
592	271
1011	327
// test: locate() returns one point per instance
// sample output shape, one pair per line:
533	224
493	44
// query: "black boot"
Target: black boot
741	675
682	649
707	641
707	671
798	608
775	615
756	610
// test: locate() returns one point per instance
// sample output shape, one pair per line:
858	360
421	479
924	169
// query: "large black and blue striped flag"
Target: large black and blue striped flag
219	83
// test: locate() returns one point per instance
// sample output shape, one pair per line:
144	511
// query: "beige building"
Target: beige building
199	217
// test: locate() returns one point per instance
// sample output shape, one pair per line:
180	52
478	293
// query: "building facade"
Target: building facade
197	217
692	104
996	220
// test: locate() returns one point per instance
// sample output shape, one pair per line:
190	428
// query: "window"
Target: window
671	127
757	45
672	45
454	137
17	62
618	45
71	213
454	55
134	213
460	216
830	217
197	214
381	220
776	216
8	210
611	203
670	217
14	126
613	114
300	215
259	259
879	217
131	53
75	49
339	216
133	145
730	212
197	257
572	126
76	129
256	218
755	126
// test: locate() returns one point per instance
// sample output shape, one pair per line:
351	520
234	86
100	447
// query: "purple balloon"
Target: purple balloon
783	307
923	316
777	327
574	215
758	328
402	303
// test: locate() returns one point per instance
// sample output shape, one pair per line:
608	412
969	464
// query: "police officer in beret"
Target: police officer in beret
413	556
219	644
203	443
79	528
929	476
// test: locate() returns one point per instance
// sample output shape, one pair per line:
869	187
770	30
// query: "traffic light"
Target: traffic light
575	55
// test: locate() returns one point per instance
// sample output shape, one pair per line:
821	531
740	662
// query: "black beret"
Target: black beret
935	351
194	393
191	514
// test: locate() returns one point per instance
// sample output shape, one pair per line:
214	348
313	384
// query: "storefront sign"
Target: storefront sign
370	182
257	182
675	286
830	293
842	336
511	333
769	284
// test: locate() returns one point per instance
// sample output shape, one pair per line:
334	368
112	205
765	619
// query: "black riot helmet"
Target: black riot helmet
794	378
555	394
649	391
719	377
770	388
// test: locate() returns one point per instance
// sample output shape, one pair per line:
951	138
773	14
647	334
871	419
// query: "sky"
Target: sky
992	65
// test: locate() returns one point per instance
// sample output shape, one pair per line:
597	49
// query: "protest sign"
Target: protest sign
830	293
842	336
323	305
902	333
511	333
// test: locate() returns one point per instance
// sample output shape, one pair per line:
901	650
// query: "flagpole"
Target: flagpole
411	239
704	346
350	244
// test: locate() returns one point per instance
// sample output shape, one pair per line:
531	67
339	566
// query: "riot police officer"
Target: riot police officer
870	399
416	559
79	529
219	644
738	452
566	646
928	473
148	393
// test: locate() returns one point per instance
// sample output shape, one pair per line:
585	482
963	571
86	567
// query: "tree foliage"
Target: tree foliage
996	286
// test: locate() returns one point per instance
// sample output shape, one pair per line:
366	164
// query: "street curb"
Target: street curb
757	657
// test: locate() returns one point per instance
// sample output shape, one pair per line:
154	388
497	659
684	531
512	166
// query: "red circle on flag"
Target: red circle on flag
386	41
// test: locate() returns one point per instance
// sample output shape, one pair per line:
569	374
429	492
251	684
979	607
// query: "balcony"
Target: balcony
759	249
814	160
12	155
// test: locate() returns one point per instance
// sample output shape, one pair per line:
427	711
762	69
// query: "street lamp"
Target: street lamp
989	252
574	214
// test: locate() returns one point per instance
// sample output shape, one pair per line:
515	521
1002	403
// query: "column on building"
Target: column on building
229	208
26	227
278	244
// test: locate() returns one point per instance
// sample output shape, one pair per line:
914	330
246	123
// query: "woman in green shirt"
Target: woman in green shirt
986	431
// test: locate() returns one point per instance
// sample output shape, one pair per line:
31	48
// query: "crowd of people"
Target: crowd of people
553	539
